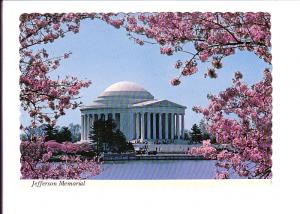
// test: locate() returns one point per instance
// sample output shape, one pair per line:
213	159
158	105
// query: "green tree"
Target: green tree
196	135
120	144
64	135
96	135
107	137
58	134
51	133
102	135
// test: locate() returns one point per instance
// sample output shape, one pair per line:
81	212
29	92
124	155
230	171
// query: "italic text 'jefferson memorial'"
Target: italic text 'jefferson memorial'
137	114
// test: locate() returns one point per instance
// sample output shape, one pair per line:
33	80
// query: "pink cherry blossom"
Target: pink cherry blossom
206	150
222	175
246	138
211	34
36	164
166	50
175	81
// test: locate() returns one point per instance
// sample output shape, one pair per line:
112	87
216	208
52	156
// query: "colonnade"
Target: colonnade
158	126
140	126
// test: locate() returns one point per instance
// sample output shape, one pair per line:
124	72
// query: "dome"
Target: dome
123	94
125	86
126	89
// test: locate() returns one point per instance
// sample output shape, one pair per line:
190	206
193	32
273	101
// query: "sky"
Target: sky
105	55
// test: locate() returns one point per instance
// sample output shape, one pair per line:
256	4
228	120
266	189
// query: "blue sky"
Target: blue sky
105	55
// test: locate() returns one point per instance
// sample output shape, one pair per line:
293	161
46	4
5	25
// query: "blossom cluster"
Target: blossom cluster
206	150
44	98
67	147
36	163
213	35
241	120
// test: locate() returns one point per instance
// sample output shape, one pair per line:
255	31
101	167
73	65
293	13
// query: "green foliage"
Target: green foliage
199	133
62	135
50	133
57	133
196	135
107	138
102	134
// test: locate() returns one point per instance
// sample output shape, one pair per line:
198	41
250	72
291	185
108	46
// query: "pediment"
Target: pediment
158	103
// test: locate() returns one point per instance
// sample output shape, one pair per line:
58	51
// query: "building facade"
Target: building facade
137	114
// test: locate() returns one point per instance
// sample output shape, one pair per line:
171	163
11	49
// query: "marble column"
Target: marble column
182	126
177	126
134	125
121	124
171	126
82	129
131	126
89	126
148	126
117	121
142	126
85	126
137	121
160	125
92	122
154	125
166	126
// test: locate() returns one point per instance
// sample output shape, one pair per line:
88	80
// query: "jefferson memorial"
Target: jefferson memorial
137	114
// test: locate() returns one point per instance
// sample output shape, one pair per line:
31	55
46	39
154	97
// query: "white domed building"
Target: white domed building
137	114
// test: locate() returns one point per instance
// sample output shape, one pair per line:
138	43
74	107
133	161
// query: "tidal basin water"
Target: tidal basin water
158	169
